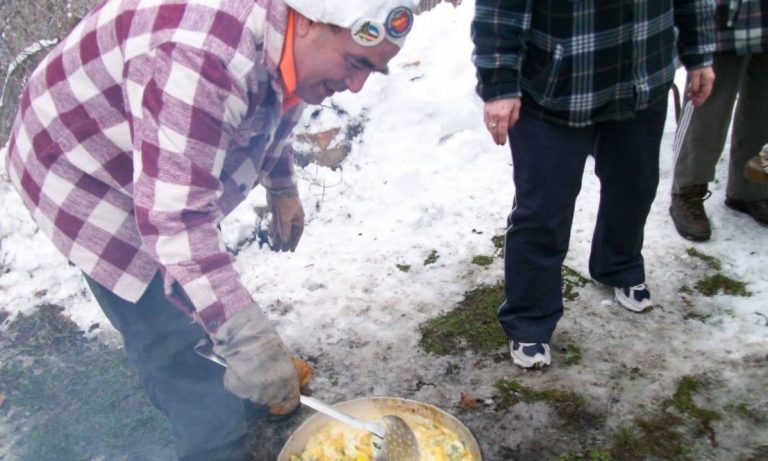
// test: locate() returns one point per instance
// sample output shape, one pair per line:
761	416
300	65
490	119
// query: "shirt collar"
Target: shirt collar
287	65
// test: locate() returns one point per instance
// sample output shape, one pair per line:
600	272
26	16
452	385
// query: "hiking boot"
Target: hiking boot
758	209
636	298
687	211
530	355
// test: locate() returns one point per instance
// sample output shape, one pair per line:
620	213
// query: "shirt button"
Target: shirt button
213	324
241	187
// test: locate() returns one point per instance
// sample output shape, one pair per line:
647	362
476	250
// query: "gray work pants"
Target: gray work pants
700	145
208	422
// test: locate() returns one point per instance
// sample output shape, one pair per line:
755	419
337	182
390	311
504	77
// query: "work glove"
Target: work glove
287	223
756	168
259	366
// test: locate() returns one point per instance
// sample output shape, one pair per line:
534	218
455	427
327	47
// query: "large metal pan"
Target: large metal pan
373	408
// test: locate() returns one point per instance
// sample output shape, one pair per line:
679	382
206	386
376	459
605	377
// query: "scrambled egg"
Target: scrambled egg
338	442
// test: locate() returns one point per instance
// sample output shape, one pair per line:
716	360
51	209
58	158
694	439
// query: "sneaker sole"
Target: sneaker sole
534	366
632	308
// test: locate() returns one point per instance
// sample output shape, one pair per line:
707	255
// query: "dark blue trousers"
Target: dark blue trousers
548	164
208	421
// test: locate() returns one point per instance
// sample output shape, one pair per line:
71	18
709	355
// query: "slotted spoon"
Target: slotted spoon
398	443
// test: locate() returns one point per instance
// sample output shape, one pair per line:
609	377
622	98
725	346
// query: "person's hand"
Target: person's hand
305	375
287	223
500	116
700	85
259	366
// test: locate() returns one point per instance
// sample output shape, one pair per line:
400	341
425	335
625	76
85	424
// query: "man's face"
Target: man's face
329	61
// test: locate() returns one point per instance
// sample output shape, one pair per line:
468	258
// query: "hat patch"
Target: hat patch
399	21
367	32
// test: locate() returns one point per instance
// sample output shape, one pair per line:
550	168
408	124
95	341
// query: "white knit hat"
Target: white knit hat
369	21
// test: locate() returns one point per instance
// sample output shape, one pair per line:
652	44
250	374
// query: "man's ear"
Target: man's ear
302	24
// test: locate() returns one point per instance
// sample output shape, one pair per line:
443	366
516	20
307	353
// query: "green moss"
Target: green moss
711	261
403	267
471	325
718	283
685	289
481	260
431	258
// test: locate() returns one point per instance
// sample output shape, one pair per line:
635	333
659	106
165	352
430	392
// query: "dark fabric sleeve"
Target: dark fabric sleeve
499	32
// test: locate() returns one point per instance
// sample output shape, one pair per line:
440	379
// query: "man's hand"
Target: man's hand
500	116
259	366
700	83
287	223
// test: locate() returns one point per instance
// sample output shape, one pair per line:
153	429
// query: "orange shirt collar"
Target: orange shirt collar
288	64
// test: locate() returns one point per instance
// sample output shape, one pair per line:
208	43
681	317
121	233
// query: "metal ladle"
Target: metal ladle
398	442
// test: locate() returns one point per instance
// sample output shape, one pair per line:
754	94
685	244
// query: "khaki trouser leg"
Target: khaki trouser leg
750	129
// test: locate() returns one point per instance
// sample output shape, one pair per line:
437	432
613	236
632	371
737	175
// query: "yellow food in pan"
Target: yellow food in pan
338	442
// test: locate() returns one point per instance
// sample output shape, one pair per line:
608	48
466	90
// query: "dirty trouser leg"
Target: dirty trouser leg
627	163
548	164
208	422
750	128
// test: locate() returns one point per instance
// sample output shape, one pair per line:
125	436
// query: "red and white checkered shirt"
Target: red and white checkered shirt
146	126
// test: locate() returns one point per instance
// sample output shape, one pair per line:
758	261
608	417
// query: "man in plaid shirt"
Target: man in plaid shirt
566	80
146	126
741	66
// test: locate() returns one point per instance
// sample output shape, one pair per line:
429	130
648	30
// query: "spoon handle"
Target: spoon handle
369	426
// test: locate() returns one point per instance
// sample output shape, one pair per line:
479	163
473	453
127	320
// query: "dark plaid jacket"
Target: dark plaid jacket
742	26
578	62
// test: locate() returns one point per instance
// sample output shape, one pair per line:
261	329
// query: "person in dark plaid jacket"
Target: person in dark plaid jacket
566	80
741	66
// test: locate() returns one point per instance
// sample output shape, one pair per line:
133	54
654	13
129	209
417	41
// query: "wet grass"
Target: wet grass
665	433
572	354
719	283
498	241
711	262
431	258
483	261
569	406
572	280
471	325
76	398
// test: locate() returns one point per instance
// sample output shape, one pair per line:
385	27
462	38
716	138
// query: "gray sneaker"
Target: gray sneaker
687	211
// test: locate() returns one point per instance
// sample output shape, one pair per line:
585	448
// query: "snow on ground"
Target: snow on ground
424	176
